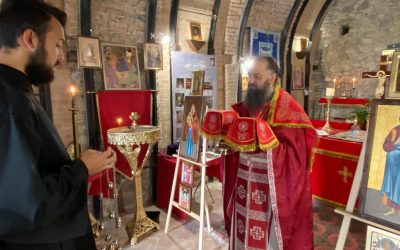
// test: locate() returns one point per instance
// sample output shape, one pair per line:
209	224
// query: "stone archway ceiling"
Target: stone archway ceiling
206	5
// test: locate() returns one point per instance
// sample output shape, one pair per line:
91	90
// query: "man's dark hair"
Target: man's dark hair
271	64
18	15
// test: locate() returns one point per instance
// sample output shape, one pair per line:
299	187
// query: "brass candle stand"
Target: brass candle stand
327	126
74	111
125	138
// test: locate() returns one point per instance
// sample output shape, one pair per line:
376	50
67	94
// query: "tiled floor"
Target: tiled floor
183	235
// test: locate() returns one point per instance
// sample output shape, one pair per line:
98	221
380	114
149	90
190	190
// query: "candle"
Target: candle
119	121
72	90
354	80
334	82
330	92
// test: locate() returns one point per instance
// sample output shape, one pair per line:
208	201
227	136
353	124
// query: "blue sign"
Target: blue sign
264	43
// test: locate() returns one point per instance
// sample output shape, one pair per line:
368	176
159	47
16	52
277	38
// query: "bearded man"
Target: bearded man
267	198
43	194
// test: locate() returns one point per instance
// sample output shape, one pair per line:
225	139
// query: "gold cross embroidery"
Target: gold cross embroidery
345	173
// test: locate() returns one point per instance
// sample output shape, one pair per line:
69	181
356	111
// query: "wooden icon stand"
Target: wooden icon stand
348	213
203	205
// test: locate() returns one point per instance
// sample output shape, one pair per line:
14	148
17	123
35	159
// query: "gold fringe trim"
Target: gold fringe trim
211	137
242	148
273	144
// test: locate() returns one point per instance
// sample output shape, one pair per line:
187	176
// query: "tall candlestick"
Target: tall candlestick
72	91
334	82
354	80
327	126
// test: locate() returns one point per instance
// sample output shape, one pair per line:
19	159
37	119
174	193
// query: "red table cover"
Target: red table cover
318	124
165	176
345	101
330	160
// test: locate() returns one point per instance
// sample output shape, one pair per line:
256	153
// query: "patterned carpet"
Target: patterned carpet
326	229
327	226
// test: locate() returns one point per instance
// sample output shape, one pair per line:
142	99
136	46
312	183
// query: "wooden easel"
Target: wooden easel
348	212
203	205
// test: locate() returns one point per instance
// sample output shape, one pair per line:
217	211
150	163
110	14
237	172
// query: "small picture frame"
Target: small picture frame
179	99
298	77
379	239
188	83
195	31
393	90
196	87
89	55
187	174
180	84
185	197
153	56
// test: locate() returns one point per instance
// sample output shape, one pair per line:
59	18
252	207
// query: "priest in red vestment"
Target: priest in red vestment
267	198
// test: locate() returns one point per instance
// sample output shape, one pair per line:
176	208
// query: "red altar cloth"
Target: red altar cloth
113	105
165	176
334	125
345	101
332	160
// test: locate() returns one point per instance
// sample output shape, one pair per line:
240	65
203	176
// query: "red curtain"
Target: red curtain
111	106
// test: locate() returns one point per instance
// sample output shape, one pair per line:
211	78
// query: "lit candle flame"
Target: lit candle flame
72	90
119	121
354	80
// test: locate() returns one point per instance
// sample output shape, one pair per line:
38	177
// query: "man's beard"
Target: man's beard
257	98
37	70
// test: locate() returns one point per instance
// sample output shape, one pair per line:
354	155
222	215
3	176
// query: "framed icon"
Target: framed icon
153	56
120	66
187	174
194	109
89	55
195	31
185	197
196	87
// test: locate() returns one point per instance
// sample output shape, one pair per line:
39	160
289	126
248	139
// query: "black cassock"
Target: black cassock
43	194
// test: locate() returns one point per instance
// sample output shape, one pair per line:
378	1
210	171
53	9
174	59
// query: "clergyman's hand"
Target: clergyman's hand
97	161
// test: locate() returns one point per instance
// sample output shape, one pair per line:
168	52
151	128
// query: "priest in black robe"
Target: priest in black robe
43	194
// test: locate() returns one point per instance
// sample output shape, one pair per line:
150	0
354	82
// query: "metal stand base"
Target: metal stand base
138	231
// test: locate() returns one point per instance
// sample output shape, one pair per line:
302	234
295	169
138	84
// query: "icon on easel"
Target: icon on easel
187	174
185	197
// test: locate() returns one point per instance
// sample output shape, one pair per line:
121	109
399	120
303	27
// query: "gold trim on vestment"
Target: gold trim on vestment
273	144
271	112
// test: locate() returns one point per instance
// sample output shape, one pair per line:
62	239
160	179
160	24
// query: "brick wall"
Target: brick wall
163	76
273	12
345	56
268	15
